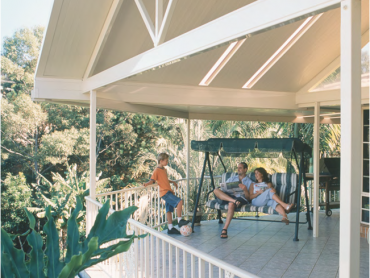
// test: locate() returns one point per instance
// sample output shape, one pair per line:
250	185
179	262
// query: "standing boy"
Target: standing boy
166	193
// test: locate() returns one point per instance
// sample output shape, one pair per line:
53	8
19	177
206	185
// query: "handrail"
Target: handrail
198	253
141	229
142	187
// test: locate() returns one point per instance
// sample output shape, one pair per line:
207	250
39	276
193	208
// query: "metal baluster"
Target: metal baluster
157	257
177	250
136	251
220	272
210	270
164	258
192	266
201	268
142	262
159	207
116	201
185	263
151	255
170	263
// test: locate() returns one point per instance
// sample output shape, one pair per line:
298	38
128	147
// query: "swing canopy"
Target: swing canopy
255	147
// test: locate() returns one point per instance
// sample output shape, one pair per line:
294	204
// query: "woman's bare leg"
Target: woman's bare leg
276	198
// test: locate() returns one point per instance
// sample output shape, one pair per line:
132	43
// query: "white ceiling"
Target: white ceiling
76	25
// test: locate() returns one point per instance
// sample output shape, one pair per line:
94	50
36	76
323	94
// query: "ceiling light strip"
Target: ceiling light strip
281	51
221	62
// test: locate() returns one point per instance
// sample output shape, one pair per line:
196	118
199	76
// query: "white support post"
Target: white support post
350	168
92	144
188	164
316	174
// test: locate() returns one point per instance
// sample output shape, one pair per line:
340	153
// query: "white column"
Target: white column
316	166
92	143
350	169
188	162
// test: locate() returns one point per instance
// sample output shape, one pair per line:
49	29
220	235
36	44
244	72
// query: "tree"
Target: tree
19	60
28	142
15	195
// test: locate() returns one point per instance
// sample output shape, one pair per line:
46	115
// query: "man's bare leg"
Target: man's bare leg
230	214
223	196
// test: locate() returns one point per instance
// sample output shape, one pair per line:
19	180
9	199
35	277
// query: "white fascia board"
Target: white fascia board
259	118
198	95
48	37
58	89
259	16
330	97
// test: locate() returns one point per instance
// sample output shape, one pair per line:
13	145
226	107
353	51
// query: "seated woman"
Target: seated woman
262	193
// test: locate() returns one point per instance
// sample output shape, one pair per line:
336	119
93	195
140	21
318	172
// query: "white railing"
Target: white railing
159	255
152	209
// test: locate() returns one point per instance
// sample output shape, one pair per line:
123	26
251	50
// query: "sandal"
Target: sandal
238	204
285	220
289	208
224	233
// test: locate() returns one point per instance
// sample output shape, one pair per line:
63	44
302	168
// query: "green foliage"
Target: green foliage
18	61
15	195
60	194
31	145
80	255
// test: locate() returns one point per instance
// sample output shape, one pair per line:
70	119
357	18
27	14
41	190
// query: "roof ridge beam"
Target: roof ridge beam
254	18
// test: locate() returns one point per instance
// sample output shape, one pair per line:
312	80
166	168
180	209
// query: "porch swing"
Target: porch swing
287	185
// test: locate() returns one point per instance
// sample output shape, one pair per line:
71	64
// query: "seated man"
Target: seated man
235	197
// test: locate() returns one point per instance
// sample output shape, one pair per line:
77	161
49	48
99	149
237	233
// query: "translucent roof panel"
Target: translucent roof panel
332	82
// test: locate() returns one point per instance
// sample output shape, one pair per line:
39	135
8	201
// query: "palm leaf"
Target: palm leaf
14	259
73	245
52	252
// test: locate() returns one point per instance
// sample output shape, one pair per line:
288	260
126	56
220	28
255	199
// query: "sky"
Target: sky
17	14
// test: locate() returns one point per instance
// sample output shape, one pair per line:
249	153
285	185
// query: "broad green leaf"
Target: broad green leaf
13	237
54	266
31	218
120	247
14	258
36	264
115	226
78	261
73	245
99	225
6	272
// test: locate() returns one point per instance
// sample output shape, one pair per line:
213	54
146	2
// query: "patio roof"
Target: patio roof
118	49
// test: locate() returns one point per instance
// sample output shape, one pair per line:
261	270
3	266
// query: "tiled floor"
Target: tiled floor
267	249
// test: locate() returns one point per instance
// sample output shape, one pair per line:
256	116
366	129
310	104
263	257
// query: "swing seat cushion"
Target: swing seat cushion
284	183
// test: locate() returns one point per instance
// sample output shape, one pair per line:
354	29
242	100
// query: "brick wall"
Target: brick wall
364	231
